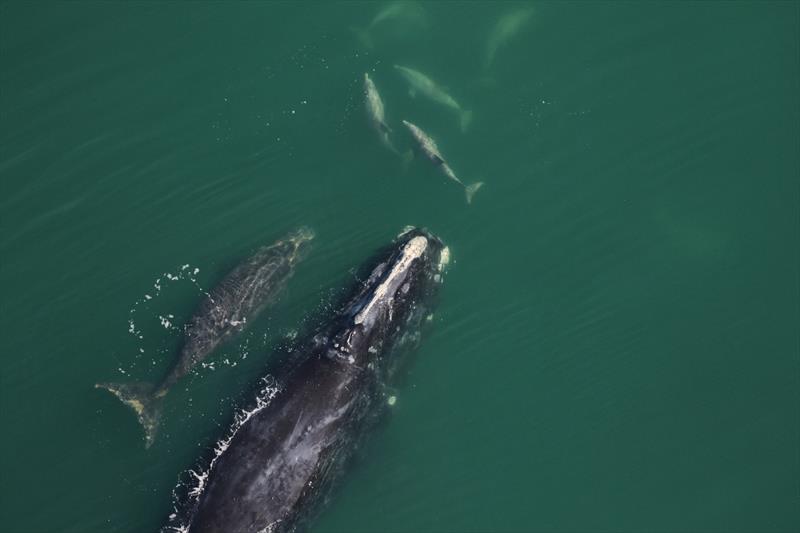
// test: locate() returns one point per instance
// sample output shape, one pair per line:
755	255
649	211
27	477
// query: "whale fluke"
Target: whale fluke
472	189
140	398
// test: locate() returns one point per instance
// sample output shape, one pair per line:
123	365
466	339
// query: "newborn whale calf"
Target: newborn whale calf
280	462
237	299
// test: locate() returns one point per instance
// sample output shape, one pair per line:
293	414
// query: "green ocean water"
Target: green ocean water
616	347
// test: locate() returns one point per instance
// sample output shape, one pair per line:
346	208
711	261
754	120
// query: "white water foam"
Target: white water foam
199	476
141	315
142	318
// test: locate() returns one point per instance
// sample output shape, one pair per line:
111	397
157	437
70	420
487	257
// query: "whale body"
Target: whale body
225	311
282	461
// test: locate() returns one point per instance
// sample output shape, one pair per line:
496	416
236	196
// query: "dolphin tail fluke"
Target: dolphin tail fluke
363	37
140	398
472	189
466	118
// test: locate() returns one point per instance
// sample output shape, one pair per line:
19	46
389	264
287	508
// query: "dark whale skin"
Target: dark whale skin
281	462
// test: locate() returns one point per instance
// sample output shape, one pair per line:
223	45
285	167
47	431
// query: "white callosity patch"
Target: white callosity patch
383	294
444	258
405	230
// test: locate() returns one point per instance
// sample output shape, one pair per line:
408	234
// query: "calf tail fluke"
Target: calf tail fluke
140	398
472	189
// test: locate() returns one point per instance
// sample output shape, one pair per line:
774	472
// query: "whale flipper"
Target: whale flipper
140	398
472	189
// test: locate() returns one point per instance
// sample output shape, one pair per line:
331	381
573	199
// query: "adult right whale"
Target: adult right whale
282	458
241	295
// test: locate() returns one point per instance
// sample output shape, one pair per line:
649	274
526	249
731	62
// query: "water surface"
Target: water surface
616	348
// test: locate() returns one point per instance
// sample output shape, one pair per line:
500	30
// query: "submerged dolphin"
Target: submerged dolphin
507	26
428	147
281	460
398	10
402	11
237	299
375	112
421	83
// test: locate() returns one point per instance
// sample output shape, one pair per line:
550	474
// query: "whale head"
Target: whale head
399	288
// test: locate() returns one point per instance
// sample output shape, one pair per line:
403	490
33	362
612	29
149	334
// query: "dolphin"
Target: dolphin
410	12
507	26
428	147
375	112
420	83
224	312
